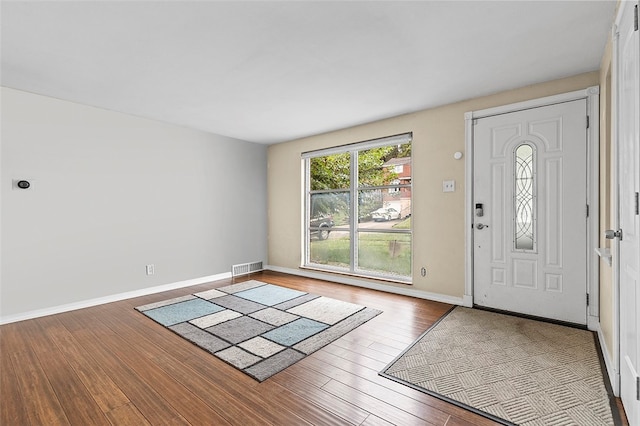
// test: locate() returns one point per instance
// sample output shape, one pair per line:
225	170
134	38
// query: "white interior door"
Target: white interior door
529	185
628	240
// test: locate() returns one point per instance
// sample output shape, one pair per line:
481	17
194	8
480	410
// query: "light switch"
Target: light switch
448	185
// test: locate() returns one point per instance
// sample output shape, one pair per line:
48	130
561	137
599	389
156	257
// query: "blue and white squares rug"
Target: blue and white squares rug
258	328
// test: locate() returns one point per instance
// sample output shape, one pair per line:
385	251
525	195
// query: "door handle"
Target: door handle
610	234
481	225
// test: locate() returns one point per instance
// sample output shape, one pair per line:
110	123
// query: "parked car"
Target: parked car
320	226
385	213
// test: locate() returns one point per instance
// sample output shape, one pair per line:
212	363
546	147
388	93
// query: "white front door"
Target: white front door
628	243
530	222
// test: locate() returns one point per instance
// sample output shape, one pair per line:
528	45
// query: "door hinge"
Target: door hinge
638	388
635	18
587	121
587	210
587	299
637	204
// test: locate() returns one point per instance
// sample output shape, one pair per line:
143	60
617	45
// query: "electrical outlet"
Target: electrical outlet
448	185
151	269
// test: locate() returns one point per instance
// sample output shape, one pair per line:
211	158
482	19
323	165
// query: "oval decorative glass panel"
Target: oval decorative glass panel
524	198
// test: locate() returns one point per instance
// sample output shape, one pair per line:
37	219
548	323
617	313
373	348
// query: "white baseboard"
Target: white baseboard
467	300
111	298
436	297
593	323
612	372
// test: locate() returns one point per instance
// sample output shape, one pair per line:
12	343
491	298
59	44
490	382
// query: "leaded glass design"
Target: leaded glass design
524	197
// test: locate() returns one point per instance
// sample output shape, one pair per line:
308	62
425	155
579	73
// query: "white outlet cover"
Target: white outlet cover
448	185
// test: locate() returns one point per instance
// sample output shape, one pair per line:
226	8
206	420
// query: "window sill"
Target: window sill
385	279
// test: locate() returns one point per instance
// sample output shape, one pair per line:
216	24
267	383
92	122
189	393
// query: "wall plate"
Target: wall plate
448	185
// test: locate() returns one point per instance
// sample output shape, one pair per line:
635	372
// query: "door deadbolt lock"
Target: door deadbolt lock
610	234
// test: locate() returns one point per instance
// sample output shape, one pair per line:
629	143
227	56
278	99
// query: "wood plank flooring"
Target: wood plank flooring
111	365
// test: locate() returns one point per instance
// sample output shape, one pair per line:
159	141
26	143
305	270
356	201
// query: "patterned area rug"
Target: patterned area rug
510	369
258	328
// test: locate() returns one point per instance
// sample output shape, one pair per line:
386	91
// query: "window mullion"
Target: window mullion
307	211
353	220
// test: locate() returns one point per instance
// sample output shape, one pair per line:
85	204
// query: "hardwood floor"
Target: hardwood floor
111	365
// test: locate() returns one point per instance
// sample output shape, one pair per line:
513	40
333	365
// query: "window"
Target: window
524	198
358	209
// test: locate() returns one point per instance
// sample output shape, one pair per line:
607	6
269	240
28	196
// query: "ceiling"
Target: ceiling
272	71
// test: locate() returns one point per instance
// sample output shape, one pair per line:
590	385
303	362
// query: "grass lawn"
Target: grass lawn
405	224
377	252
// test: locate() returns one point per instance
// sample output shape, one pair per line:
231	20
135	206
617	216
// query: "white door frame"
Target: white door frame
592	95
613	365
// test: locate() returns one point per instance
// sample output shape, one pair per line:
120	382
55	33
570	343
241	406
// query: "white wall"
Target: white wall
111	193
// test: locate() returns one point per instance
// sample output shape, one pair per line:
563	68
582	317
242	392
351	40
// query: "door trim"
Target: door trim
614	369
592	96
